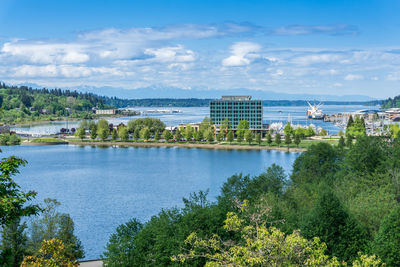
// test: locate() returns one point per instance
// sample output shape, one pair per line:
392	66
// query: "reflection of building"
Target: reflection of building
235	109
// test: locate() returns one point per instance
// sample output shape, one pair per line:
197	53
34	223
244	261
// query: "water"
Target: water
196	114
103	187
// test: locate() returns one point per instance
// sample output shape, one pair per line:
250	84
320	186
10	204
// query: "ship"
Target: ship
314	112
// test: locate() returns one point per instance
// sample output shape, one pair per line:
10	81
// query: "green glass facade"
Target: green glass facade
237	109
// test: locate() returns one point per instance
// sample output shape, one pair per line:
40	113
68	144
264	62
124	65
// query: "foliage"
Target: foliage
51	253
52	224
13	201
210	136
167	135
278	139
152	124
269	138
13	243
9	140
341	143
120	249
249	136
357	128
297	140
145	133
178	135
123	133
103	133
242	127
189	132
387	240
258	138
157	136
391	102
288	140
230	136
114	134
206	124
80	133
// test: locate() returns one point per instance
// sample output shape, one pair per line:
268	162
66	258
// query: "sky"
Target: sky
308	47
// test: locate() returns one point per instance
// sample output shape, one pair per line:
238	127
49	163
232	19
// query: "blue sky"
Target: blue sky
324	47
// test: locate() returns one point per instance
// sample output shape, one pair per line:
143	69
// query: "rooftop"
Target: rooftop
241	98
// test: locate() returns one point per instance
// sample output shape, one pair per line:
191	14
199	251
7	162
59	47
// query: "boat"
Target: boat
314	112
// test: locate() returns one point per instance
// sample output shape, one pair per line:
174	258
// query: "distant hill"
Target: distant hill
174	92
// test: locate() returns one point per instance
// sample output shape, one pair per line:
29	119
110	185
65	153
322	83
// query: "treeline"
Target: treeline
22	103
338	206
391	102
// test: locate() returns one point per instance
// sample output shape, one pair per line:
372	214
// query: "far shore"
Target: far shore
188	145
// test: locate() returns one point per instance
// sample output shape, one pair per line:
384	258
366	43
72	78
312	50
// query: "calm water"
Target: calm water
196	114
103	187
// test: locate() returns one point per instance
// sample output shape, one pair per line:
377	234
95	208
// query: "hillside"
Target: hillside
391	102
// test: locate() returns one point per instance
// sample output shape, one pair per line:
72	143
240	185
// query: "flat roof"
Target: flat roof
241	98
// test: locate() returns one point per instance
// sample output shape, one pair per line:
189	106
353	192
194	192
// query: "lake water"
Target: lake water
196	114
102	188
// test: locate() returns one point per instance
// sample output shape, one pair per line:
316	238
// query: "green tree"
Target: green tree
297	139
178	135
210	136
80	132
52	224
136	134
341	143
114	134
224	127
288	129
329	221
123	133
278	139
220	136
230	136
258	138
93	131
269	138
239	138
152	123
349	140
145	134
157	136
13	243
350	121
102	124
167	135
13	201
189	132
249	136
104	133
387	241
242	127
323	132
199	135
206	124
288	140
120	249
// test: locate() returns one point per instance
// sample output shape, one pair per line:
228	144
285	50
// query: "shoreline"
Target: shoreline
188	145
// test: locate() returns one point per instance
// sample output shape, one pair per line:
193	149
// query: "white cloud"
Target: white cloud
353	77
169	54
243	53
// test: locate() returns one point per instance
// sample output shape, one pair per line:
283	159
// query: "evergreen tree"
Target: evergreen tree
13	244
269	138
288	140
278	139
93	131
258	138
297	139
230	136
387	241
329	221
349	140
341	143
350	121
114	134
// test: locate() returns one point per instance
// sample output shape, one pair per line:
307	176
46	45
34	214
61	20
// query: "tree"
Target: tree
167	135
269	138
329	221
249	136
350	121
220	136
178	135
120	249
210	136
199	135
341	143
189	132
80	133
51	253
288	140
123	133
13	201
93	131
349	140
52	224
239	138
157	136
242	127
278	139
114	134
297	139
224	127
13	243
258	138
136	134
206	124
104	133
323	132
288	129
145	134
387	241
230	136
152	123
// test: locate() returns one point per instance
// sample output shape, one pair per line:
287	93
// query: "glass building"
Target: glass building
235	109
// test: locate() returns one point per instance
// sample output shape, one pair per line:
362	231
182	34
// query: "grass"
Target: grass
47	140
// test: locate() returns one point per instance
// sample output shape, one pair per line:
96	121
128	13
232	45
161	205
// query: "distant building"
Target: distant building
235	109
106	111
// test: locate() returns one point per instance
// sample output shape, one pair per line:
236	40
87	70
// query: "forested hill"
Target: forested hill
392	102
20	104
